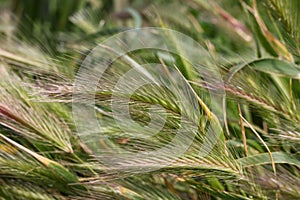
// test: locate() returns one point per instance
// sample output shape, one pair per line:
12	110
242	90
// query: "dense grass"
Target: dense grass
254	109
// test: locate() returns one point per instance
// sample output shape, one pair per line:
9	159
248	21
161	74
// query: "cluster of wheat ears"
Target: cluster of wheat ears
253	46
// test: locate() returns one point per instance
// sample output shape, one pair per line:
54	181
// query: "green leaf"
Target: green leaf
264	158
65	176
275	66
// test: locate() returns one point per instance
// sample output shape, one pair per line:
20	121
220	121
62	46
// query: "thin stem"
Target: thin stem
243	130
263	142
